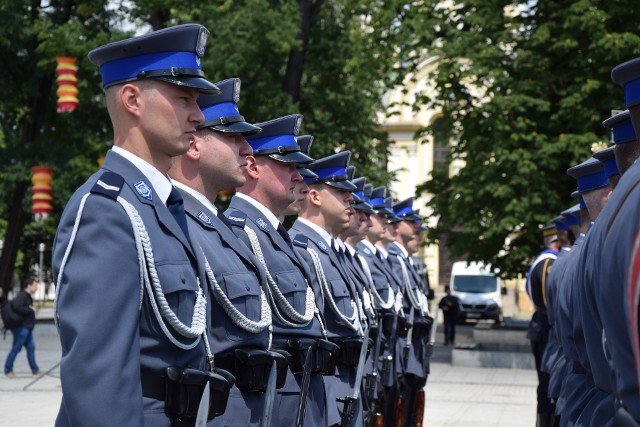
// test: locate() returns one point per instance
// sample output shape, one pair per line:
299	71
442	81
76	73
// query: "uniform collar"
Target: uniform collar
199	196
159	181
262	208
373	248
382	250
321	231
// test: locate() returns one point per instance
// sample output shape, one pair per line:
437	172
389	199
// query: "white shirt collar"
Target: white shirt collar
199	196
383	251
324	234
403	251
159	181
350	248
273	220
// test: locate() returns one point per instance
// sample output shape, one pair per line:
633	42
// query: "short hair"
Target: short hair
26	282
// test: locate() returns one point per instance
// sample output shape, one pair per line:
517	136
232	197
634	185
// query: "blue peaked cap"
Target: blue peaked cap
589	175
621	128
171	55
332	170
377	201
305	142
608	159
404	210
388	203
221	111
627	75
581	202
278	140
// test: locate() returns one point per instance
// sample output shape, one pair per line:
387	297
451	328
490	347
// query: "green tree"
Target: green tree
328	60
524	87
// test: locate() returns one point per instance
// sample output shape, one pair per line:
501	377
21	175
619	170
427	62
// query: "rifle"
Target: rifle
269	396
419	408
372	380
350	402
304	385
407	346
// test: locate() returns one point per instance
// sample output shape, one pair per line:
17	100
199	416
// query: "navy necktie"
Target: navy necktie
285	235
176	207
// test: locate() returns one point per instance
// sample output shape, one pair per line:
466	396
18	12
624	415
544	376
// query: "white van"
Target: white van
478	289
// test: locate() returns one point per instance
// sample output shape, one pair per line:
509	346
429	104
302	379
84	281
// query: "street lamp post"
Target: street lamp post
41	266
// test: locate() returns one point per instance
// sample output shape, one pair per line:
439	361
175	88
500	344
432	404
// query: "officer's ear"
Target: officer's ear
252	167
130	99
314	197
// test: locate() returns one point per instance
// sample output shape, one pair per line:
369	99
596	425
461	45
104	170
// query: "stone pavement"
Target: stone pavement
455	395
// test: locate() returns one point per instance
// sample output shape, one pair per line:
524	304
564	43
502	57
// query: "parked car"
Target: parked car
479	291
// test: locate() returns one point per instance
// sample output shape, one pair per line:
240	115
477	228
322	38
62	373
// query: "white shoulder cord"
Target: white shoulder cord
149	279
367	271
352	322
236	316
415	300
278	300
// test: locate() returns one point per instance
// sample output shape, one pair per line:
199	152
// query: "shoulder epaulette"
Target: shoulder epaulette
109	184
391	250
237	218
301	241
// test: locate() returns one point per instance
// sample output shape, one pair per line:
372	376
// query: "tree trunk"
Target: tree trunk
309	9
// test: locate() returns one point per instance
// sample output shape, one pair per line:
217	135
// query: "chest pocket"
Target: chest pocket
294	288
179	285
244	292
341	296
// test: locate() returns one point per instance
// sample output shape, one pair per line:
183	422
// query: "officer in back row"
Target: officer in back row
124	307
272	178
240	314
323	217
412	360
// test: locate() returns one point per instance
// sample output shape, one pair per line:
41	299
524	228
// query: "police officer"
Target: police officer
621	228
386	285
600	409
110	279
272	177
594	189
305	142
324	216
241	318
412	360
539	325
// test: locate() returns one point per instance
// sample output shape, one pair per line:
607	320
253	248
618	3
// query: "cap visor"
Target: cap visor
293	157
242	128
383	211
306	173
198	83
364	207
342	185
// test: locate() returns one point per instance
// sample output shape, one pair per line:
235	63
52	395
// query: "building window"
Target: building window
440	143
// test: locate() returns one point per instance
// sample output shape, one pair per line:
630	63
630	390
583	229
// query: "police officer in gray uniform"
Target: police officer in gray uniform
129	299
324	216
593	188
241	316
412	361
272	180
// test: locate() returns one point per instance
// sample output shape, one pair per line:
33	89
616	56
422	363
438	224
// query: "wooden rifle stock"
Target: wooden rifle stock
419	408
398	422
377	420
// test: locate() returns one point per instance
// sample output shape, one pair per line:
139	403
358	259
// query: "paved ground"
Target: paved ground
455	396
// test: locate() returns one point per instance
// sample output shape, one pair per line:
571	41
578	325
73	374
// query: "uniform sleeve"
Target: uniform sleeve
98	317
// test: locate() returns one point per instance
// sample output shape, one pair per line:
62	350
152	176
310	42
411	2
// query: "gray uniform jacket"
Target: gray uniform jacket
290	275
343	294
238	275
621	228
417	362
107	336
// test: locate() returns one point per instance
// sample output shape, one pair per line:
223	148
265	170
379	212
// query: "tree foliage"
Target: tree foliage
524	87
329	60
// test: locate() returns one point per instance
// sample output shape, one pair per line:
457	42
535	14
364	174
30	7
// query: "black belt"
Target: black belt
153	385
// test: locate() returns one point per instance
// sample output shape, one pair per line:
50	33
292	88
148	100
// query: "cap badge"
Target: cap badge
296	128
236	91
143	189
202	41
